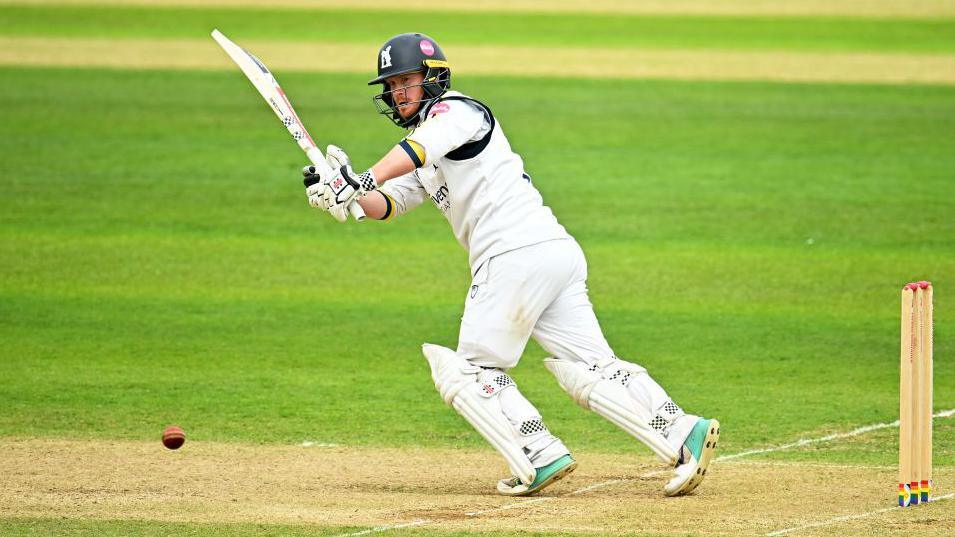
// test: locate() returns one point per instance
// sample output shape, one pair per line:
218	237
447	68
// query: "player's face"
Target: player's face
406	92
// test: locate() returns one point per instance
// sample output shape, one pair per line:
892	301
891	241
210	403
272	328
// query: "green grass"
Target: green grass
486	28
158	262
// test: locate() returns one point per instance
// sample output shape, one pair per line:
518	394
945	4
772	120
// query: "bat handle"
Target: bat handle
315	155
356	211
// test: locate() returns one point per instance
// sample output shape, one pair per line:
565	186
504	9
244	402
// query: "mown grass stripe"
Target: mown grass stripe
492	60
608	30
855	8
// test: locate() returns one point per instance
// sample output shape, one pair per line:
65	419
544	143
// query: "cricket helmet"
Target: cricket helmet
410	53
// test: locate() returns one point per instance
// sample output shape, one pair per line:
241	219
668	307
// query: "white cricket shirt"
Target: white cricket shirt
486	197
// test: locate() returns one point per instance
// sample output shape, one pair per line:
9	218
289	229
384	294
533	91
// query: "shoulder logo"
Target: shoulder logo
386	57
439	108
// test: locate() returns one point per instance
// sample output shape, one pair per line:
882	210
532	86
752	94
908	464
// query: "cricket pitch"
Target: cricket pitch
442	490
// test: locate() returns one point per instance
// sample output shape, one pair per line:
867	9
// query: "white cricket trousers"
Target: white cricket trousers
540	291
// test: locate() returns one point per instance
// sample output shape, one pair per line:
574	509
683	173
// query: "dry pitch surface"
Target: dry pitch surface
395	489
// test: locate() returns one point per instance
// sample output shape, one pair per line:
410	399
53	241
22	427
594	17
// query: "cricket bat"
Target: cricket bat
269	88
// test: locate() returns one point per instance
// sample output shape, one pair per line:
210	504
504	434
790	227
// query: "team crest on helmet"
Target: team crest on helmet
386	57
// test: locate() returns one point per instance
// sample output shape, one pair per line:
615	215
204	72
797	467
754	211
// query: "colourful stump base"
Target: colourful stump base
915	493
904	495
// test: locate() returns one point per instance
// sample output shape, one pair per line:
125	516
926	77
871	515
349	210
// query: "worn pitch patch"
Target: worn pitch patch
344	486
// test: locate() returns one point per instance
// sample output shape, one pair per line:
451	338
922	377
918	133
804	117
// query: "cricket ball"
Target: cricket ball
173	437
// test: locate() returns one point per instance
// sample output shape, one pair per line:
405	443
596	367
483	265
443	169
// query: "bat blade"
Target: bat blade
268	87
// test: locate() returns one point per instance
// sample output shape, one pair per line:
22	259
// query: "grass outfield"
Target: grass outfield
804	33
746	242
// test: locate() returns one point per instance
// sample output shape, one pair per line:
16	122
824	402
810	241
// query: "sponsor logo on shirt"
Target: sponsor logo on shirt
442	198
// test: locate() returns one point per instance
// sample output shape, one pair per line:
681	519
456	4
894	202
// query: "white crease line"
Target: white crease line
804	464
597	486
545	498
312	443
846	518
511	506
377	529
827	438
578	491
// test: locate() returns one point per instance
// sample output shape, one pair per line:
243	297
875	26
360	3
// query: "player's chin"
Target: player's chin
408	109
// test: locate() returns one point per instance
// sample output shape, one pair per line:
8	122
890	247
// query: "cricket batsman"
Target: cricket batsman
529	278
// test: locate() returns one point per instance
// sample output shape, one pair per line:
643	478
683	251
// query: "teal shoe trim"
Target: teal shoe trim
546	474
701	443
697	437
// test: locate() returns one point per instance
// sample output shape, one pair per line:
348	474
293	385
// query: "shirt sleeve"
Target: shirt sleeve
403	193
449	125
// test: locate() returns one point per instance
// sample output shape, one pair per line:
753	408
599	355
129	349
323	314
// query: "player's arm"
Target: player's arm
403	159
375	205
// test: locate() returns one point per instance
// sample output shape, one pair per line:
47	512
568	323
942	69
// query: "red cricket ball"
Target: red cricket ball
173	437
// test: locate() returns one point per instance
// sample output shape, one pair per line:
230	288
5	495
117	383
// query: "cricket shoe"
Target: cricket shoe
546	476
695	456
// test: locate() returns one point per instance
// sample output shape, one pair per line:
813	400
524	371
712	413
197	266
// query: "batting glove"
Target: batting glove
345	188
315	184
314	188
